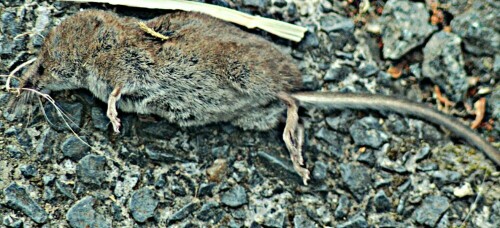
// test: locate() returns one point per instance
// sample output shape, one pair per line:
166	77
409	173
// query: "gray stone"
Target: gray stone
335	23
495	216
210	211
494	102
367	157
41	25
444	64
184	212
336	151
401	206
10	22
83	215
235	197
160	129
143	204
367	69
8	221
14	151
206	189
309	41
160	155
328	136
11	131
221	152
320	170
357	179
496	64
382	202
423	153
309	82
416	70
389	222
302	221
478	27
255	3
365	133
279	3
343	208
387	163
48	179
239	213
444	222
340	32
99	119
92	169
116	210
75	149
276	165
428	167
274	219
17	198
335	74
405	25
74	112
432	208
48	194
28	171
357	221
443	177
65	189
341	123
326	6
382	179
6	48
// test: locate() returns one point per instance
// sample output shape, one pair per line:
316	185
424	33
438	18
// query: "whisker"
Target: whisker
43	111
59	112
67	116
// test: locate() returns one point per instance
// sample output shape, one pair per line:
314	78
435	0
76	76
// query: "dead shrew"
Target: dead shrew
207	71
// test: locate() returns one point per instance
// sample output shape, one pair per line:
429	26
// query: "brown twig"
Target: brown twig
441	98
480	109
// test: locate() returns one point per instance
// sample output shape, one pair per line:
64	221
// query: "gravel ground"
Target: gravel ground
369	169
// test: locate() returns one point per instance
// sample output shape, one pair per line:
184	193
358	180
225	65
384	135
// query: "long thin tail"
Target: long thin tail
397	105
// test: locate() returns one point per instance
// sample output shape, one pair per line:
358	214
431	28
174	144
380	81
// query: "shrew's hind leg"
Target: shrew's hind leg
293	135
112	113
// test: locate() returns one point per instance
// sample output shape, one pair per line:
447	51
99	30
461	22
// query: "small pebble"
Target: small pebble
83	215
142	204
235	197
28	171
463	191
16	197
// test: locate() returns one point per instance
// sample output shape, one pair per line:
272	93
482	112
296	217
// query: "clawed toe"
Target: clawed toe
112	113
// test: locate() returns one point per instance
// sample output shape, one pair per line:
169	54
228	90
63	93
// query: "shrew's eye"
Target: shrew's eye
40	70
27	84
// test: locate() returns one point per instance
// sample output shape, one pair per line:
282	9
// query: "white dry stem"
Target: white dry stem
27	34
18	68
473	206
278	28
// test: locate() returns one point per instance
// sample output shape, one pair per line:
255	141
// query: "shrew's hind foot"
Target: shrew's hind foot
293	135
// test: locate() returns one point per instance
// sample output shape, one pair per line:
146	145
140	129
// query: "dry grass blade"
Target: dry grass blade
7	83
152	32
279	28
